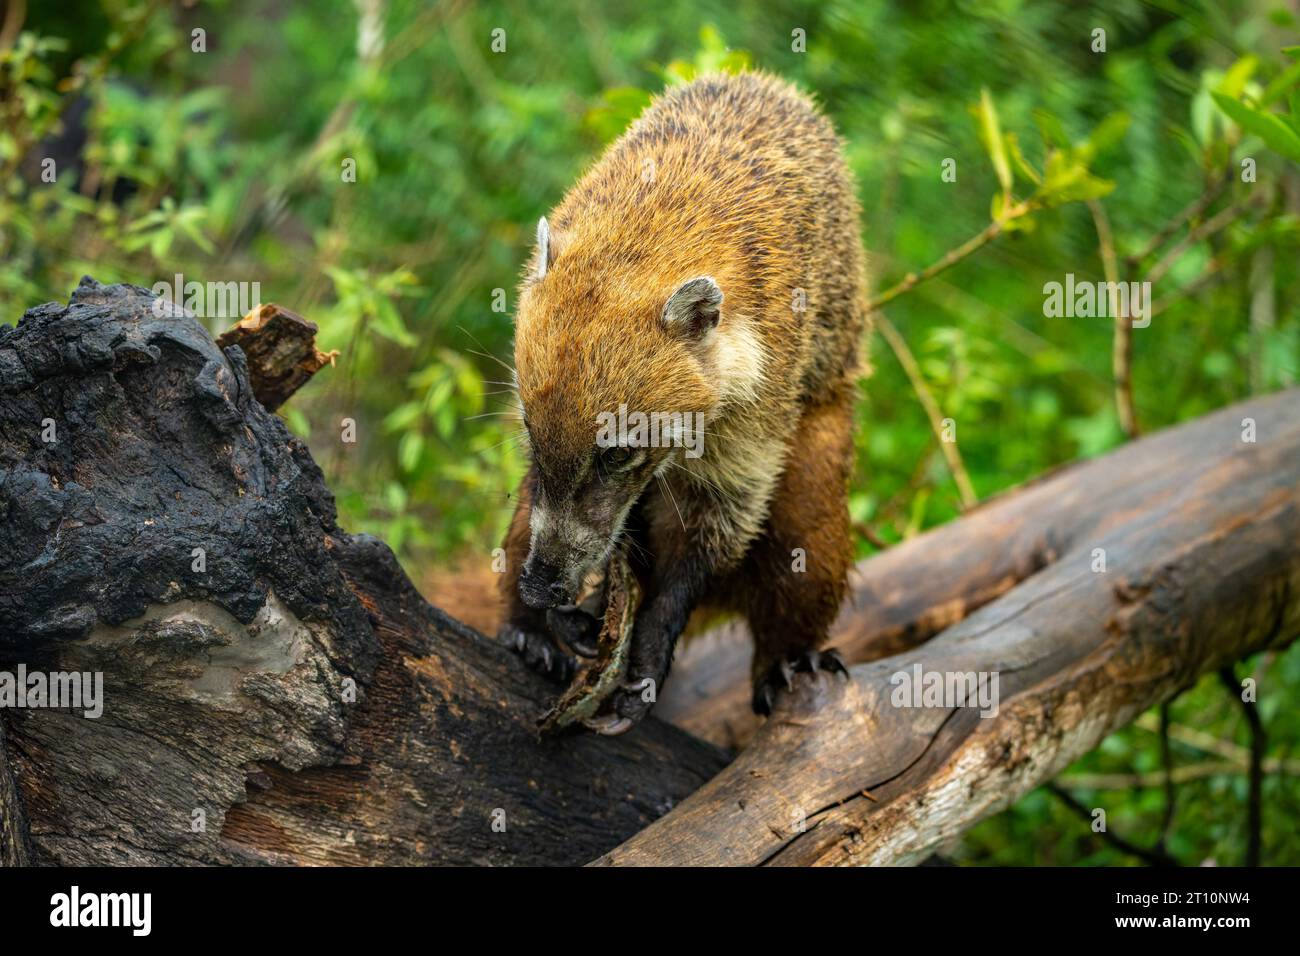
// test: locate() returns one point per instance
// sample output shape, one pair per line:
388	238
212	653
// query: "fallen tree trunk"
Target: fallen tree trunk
274	690
287	697
904	596
1143	570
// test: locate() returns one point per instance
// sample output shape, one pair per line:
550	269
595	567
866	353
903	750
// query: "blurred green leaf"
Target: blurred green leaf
990	133
1275	133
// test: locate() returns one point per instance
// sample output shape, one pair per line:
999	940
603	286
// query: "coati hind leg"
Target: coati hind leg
797	570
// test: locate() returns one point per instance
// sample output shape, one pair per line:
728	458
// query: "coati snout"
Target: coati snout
580	506
542	585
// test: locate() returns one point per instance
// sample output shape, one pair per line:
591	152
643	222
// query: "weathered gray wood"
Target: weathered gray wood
1202	550
902	597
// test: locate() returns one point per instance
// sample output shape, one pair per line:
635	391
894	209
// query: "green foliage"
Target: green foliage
1248	106
233	165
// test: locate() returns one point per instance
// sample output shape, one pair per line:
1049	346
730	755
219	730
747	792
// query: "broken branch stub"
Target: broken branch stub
280	350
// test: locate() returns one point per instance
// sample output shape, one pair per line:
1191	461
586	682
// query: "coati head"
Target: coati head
594	334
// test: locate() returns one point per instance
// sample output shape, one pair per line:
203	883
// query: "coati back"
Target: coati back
708	270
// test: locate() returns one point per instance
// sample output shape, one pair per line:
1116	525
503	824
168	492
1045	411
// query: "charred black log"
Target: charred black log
274	689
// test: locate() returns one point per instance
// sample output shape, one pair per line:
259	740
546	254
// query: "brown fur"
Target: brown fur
739	178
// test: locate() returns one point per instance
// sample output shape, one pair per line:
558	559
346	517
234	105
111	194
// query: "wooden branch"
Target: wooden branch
280	348
914	590
294	700
1200	533
274	688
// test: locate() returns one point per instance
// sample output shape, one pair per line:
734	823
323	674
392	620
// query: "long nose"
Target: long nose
541	584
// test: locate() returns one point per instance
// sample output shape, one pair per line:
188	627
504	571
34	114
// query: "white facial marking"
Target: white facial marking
539	520
739	359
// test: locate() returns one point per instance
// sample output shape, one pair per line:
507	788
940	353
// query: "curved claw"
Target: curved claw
832	662
538	652
578	629
780	676
584	650
609	725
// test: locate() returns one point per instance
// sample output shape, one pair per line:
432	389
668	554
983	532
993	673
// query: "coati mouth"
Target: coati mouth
571	541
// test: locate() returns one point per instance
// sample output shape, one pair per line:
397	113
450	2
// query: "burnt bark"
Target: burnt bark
274	688
15	845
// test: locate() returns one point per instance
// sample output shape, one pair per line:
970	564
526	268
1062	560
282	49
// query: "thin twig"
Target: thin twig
1198	739
875	540
1220	220
1154	857
15	13
950	451
1193	210
891	511
953	256
1213	273
896	341
1167	772
1122	344
1258	742
1188	773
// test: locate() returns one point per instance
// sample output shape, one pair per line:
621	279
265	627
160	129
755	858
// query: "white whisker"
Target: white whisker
726	495
663	486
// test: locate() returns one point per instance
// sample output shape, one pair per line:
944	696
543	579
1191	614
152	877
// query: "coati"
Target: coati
709	262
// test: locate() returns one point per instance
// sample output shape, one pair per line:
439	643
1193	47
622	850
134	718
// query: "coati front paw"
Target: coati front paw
576	628
539	651
631	702
780	676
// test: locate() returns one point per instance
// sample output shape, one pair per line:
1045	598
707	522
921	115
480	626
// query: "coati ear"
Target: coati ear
694	308
543	255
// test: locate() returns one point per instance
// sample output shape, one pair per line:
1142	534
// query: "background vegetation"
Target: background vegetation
227	164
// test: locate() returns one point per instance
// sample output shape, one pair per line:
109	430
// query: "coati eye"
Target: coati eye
615	458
